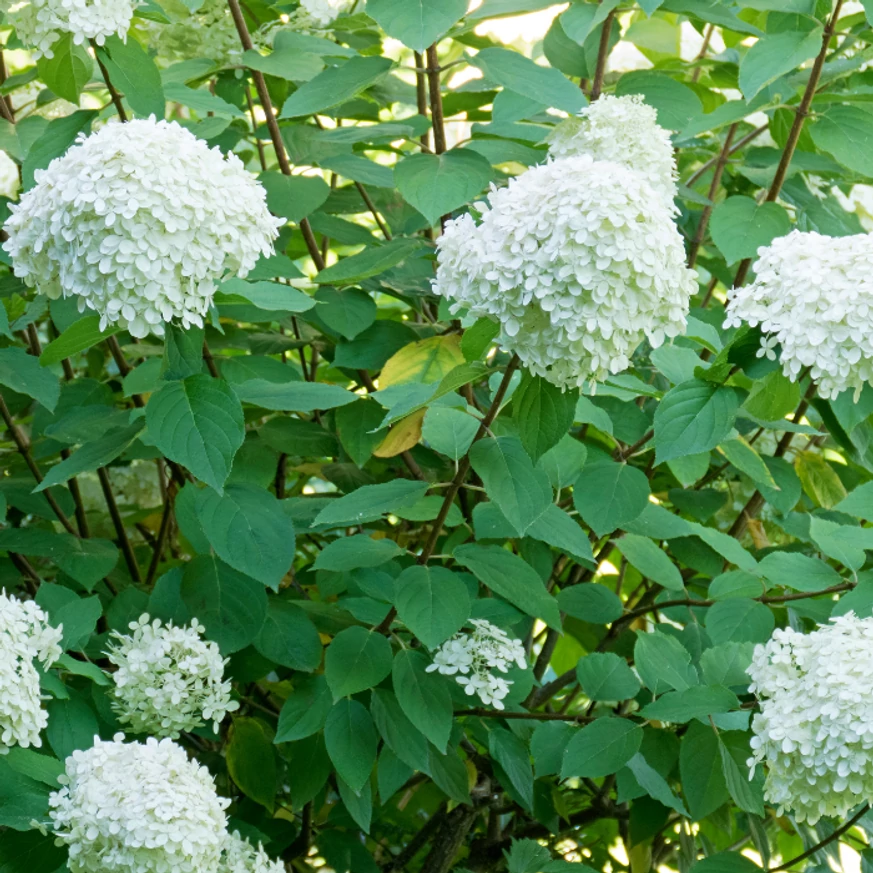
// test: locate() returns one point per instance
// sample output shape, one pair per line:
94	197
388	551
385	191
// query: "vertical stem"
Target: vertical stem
118	523
421	95
694	249
116	97
602	54
273	126
707	36
7	110
262	156
436	101
163	534
800	115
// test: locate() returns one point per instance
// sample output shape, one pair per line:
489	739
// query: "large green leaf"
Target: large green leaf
740	226
335	85
371	502
251	761
293	197
432	602
416	23
135	74
609	495
197	422
351	740
424	697
601	748
288	637
357	659
544	414
846	132
372	261
774	55
22	373
68	70
296	396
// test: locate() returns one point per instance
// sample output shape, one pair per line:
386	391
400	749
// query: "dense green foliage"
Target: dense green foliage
309	478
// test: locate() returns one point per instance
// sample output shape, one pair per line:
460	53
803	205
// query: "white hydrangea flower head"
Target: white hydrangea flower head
322	13
240	856
472	657
41	23
142	807
25	637
168	679
578	260
813	294
815	727
623	130
138	221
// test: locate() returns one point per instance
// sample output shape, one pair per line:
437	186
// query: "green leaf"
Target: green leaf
521	491
79	336
744	457
449	774
68	70
71	726
739	620
514	759
740	226
416	23
520	74
859	502
774	55
726	862
305	710
432	602
335	85
357	425
57	137
663	663
478	337
248	530
609	495
36	765
359	805
293	396
269	296
843	543
183	352
819	479
698	701
351	740
357	659
846	132
78	618
424	697
31	853
288	637
231	606
22	799
449	431
92	455
700	770
544	413
652	563
22	373
606	676
772	397
197	422
371	502
347	311
511	578
726	664
591	602
693	417
286	63
676	103
370	262
292	197
401	736
743	792
435	185
350	553
251	761
601	748
654	784
134	74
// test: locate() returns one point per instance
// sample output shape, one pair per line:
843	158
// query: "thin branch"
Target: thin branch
118	524
742	143
822	843
436	101
707	37
421	96
602	55
116	97
163	534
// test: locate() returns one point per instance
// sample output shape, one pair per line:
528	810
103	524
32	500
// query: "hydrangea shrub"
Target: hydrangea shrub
436	436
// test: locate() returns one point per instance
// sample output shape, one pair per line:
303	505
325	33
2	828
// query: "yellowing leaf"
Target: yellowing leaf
404	435
819	479
424	361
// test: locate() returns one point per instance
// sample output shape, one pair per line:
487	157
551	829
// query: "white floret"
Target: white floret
472	658
138	808
815	727
240	856
623	130
813	295
322	13
168	679
25	638
578	260
138	221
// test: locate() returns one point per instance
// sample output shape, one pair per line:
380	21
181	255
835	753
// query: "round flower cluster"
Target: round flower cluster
578	260
25	637
623	130
41	23
813	294
472	657
815	727
207	33
168	680
240	856
142	807
322	13
138	221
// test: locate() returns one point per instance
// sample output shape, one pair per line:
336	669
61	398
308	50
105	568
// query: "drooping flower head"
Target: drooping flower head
138	221
240	856
623	130
813	294
472	658
25	638
815	727
141	807
578	260
41	23
168	679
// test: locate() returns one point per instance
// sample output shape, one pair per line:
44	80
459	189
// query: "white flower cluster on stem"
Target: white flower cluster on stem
240	856
813	294
623	130
138	808
168	679
815	727
25	638
578	260
471	658
41	23
322	13
208	32
138	221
